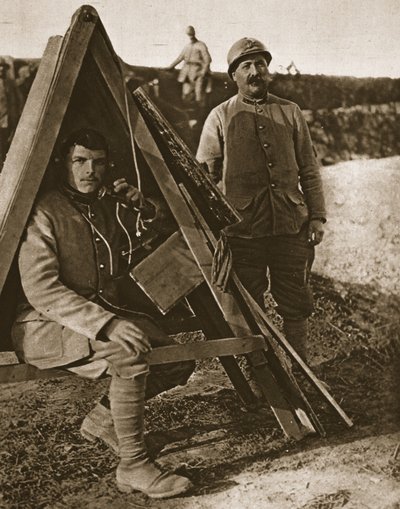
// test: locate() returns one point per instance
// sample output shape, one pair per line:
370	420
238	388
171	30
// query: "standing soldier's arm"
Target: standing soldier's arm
211	147
309	173
178	60
310	178
206	59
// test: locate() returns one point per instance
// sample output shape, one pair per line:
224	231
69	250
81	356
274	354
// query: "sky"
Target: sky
337	37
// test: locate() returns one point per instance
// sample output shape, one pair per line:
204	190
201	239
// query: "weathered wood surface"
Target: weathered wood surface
11	373
37	131
267	368
276	339
198	244
169	273
185	168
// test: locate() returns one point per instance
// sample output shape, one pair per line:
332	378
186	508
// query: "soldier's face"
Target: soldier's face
85	168
251	76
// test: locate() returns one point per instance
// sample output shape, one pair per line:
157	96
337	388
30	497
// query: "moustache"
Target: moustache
255	79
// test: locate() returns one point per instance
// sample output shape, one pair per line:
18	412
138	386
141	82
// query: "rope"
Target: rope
139	222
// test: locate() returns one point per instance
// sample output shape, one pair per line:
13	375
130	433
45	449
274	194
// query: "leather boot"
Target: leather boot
99	424
136	471
296	332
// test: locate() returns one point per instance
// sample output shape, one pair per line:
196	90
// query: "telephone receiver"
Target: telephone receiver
107	189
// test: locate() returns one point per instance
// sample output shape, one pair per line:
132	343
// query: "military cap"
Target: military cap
244	47
4	63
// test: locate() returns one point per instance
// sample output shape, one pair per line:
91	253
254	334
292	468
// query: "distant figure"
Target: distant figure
8	110
25	76
195	73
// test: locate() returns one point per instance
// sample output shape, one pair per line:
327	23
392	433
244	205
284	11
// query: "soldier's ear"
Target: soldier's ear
110	174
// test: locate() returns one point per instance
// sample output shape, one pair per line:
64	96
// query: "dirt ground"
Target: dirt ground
239	459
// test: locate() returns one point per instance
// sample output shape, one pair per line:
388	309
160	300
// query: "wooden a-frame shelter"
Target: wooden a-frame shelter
80	83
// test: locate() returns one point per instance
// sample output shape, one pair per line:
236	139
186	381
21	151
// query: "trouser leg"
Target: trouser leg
250	265
289	259
199	91
127	410
296	332
99	424
290	262
136	471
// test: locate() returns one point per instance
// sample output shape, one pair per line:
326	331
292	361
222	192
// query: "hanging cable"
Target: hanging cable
139	223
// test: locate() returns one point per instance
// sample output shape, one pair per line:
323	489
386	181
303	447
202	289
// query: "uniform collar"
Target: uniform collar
254	102
77	196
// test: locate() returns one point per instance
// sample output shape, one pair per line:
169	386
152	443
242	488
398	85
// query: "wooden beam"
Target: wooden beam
267	327
38	129
108	65
205	349
198	244
11	373
286	380
168	274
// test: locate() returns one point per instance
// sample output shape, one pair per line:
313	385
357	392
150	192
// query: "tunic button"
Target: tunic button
270	165
102	265
261	127
91	214
97	239
266	145
101	290
273	185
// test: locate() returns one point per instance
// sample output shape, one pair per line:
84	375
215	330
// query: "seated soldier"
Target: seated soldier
70	267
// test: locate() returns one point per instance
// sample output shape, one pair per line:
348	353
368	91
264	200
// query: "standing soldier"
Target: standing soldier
196	69
258	149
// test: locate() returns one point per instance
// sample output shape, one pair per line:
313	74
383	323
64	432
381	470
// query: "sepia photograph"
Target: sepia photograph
199	254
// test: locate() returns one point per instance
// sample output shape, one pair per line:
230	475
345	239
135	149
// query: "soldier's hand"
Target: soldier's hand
315	232
128	335
130	194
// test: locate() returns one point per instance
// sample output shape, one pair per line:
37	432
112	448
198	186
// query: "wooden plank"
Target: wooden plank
273	333
268	327
198	245
205	349
38	129
212	203
257	360
168	274
11	373
214	326
106	61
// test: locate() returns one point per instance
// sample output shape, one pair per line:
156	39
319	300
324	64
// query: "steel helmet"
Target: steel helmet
244	47
190	30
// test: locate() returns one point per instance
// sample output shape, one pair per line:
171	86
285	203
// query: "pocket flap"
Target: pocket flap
241	202
31	315
296	198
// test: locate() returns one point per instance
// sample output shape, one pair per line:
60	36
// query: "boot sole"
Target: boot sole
127	488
